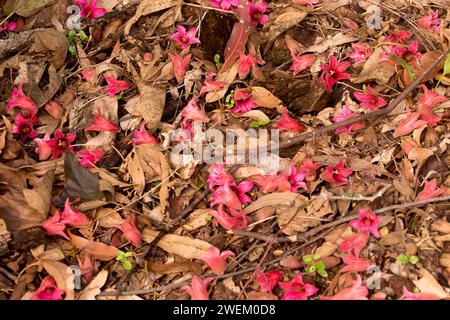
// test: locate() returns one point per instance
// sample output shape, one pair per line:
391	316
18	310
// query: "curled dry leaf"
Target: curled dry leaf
283	21
53	42
277	199
227	77
59	272
428	284
39	198
25	8
184	246
265	98
375	70
93	288
95	249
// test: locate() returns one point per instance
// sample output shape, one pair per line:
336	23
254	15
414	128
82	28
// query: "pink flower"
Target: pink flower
211	85
224	4
309	168
218	176
409	53
89	158
100	123
356	292
86	268
197	290
354	264
306	2
268	280
237	220
54	109
333	72
20	100
428	116
24	125
61	142
296	289
193	112
73	217
370	99
408	295
180	65
399	37
355	243
142	136
216	260
431	191
300	63
246	63
241	189
225	195
347	114
362	52
48	290
8	26
257	13
430	99
89	8
296	178
408	145
243	100
43	149
368	221
184	39
130	231
408	125
286	123
88	74
54	226
115	86
430	21
336	174
270	183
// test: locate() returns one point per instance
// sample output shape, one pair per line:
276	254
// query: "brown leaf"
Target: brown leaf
228	77
291	262
150	105
175	267
375	70
441	226
256	295
62	275
428	284
40	197
277	199
420	66
25	8
239	36
184	246
95	249
284	21
393	238
265	98
94	286
53	42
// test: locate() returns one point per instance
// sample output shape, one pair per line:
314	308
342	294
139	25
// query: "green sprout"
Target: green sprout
404	259
217	61
122	257
75	38
315	265
229	100
259	123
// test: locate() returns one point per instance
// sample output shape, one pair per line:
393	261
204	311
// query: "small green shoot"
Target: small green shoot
259	123
75	38
229	100
404	259
122	257
217	61
315	265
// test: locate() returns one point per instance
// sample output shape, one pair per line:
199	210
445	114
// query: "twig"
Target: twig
355	198
375	114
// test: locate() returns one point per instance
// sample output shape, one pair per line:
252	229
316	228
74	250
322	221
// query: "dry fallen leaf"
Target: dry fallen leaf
95	249
184	246
94	286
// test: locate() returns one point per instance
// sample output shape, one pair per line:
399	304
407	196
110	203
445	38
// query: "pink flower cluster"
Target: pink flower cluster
89	8
243	101
399	48
431	21
332	72
130	231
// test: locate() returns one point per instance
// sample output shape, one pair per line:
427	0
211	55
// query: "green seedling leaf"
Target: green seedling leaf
71	35
413	259
402	259
307	259
127	265
406	66
72	50
447	65
82	35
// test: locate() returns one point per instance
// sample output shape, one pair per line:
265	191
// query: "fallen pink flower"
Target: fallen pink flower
408	145
100	123
193	112
21	101
241	189
428	116
23	125
197	290
225	195
268	280
370	99
306	2
336	174
354	264
270	183
130	231
237	220
89	9
257	13
86	268
243	100
54	109
361	52
309	168
408	125
61	142
142	136
43	149
210	85
180	65
408	295
73	217
48	290
430	99
345	115
8	26
431	191
88	74
368	221
333	72
301	63
296	179
296	289
216	260
90	157
430	21
184	39
218	176
349	23
115	86
54	227
409	53
355	243
224	4
356	292
246	63
286	123
399	37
